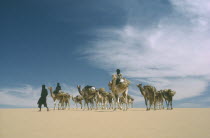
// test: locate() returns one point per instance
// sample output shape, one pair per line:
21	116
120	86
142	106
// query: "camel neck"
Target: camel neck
80	92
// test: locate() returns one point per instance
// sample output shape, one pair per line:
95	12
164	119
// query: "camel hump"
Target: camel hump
101	90
149	87
63	94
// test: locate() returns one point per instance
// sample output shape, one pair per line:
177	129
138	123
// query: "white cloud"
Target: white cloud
197	11
171	55
20	96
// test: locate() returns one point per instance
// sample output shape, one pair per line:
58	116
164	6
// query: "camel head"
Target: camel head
97	92
139	85
114	77
110	85
50	88
72	98
78	86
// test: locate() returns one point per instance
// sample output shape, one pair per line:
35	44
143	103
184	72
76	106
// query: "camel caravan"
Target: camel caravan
90	97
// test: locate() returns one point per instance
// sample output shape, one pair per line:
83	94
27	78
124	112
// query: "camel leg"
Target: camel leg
154	105
102	105
106	104
58	106
166	104
54	105
118	103
126	100
76	106
92	105
115	102
84	104
87	106
97	105
68	105
154	101
150	104
146	103
171	103
163	105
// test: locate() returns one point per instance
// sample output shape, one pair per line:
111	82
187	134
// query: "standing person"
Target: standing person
43	98
57	89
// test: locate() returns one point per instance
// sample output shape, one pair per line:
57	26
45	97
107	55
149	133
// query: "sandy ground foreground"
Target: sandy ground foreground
134	123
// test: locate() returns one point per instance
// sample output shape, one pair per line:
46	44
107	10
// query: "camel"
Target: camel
65	100
77	99
88	94
129	99
168	96
55	97
149	95
119	89
159	100
110	98
99	99
122	100
58	97
105	97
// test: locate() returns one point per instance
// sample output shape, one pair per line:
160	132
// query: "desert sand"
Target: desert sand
134	123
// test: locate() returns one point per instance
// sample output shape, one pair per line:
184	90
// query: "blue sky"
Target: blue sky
164	43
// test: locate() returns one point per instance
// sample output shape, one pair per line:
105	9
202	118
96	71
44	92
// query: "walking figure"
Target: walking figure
43	98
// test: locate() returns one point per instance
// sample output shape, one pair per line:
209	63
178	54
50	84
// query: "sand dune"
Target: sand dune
135	123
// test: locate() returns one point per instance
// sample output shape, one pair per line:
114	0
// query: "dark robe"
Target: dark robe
43	98
119	76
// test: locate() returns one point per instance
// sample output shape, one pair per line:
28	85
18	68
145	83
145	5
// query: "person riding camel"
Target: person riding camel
119	76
